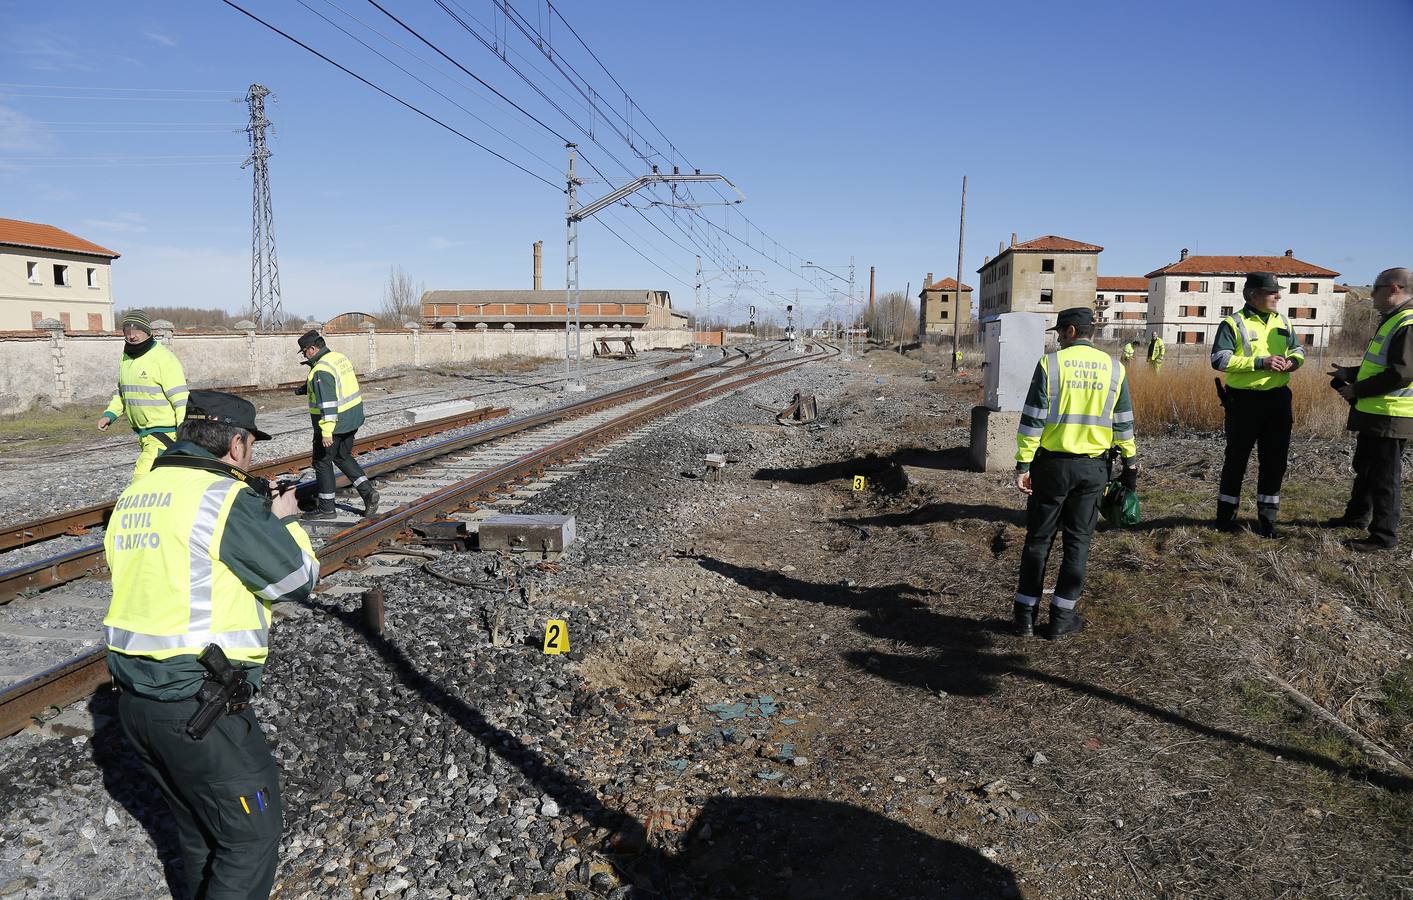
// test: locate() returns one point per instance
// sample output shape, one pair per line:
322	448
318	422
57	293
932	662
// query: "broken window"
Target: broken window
32	272
61	275
92	277
1228	287
1047	296
1047	265
1226	310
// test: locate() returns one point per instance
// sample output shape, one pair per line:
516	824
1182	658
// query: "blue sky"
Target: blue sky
1222	127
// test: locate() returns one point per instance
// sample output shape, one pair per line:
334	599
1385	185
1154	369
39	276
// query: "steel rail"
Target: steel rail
76	521
76	678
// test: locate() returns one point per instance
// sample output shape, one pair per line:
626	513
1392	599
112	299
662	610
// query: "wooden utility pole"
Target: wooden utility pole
957	319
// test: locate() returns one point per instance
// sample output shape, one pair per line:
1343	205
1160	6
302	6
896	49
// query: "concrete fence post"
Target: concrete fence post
416	341
163	331
252	365
63	389
372	346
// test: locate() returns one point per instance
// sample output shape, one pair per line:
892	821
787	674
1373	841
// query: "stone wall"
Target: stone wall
50	367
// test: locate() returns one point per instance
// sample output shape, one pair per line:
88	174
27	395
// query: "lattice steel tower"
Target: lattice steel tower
265	308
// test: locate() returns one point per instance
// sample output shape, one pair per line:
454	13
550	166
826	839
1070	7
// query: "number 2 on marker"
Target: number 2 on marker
860	483
556	636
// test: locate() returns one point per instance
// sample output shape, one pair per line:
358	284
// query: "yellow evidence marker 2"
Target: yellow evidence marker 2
860	483
556	636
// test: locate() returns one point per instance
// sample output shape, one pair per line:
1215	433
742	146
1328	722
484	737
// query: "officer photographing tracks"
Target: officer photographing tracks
199	550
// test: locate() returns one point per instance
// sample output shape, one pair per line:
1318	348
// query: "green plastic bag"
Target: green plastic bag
1119	506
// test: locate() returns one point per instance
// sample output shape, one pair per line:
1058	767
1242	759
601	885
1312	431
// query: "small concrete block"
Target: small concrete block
993	439
418	414
535	534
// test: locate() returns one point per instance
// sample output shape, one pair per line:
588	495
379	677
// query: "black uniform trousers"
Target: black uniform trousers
223	791
1260	419
341	455
1378	469
1065	495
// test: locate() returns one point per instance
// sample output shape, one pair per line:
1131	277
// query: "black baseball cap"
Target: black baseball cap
1262	281
310	338
1078	316
227	409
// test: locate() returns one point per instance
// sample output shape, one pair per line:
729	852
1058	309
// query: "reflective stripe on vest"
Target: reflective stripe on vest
1399	402
1257	339
171	593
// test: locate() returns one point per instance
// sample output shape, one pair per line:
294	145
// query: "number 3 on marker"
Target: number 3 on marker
860	483
556	636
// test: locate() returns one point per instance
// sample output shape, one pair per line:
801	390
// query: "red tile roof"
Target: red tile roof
1341	289
946	284
1243	265
1121	283
1054	242
15	233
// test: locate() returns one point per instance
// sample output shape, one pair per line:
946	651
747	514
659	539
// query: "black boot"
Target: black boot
1063	622
1266	526
320	512
370	499
1226	517
1025	619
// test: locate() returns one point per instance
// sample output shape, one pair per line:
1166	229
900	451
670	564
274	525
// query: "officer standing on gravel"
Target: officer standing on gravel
152	391
197	558
1257	350
336	409
1381	389
1078	408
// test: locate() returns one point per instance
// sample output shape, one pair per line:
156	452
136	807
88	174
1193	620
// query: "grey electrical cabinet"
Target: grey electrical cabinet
1014	344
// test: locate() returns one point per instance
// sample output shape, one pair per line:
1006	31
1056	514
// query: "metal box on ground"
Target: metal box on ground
541	534
1014	344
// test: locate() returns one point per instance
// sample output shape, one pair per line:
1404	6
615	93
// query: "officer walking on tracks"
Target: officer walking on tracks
1381	389
336	408
198	556
1078	408
152	391
1257	349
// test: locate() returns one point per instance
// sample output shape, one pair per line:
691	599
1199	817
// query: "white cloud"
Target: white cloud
21	134
165	40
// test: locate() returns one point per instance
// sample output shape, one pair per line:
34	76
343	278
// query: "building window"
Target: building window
1047	265
1190	312
1228	287
92	277
34	316
95	320
1047	296
64	318
1226	311
61	275
1099	298
32	272
1302	312
1191	337
1195	287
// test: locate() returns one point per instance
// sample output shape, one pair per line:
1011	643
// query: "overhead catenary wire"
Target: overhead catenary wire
391	96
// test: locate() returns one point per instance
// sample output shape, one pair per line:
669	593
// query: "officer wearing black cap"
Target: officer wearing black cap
336	409
1257	350
1077	409
199	551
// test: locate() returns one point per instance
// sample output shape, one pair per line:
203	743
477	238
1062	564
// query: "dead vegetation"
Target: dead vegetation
1181	397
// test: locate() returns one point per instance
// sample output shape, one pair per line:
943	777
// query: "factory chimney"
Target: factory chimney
870	287
539	247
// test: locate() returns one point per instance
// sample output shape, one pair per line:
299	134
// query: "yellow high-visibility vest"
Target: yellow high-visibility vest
152	391
1397	402
1083	387
326	413
1255	339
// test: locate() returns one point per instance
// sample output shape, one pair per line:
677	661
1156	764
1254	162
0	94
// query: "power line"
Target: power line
75	87
111	99
391	96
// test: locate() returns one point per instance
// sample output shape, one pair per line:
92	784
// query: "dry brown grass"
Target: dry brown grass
1182	398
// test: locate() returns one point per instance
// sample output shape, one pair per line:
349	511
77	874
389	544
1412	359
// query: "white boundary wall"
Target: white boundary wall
54	368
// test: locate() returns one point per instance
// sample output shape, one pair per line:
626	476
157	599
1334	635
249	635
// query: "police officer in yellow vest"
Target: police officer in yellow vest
152	391
1257	349
336	410
1381	389
198	556
1078	407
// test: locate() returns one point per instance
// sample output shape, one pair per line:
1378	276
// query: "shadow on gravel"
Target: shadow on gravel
941	512
738	846
128	784
961	660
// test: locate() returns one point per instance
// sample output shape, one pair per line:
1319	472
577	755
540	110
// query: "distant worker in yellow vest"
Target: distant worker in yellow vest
1078	408
1157	350
1257	350
1130	348
198	555
336	410
152	391
1381	389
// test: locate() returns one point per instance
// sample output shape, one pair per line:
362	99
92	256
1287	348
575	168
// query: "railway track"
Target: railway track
426	482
